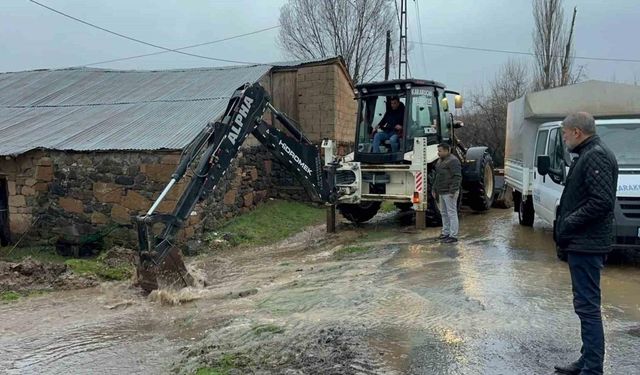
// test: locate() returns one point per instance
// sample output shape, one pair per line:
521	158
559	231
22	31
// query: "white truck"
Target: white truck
534	129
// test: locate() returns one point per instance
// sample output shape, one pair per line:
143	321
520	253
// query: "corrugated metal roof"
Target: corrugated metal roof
96	109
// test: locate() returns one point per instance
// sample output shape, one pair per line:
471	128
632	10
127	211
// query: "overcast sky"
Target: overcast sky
35	38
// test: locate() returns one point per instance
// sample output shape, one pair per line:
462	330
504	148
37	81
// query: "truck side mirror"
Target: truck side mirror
457	124
544	165
445	104
458	101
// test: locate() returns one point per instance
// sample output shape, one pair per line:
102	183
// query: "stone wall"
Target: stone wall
243	188
55	195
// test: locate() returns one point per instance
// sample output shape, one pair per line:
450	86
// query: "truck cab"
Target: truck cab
426	114
621	136
547	189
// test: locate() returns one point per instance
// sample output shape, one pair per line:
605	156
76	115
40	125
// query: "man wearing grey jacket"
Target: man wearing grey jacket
446	190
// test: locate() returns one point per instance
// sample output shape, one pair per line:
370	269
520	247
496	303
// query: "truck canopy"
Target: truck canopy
601	99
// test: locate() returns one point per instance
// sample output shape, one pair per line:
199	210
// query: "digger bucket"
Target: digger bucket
170	273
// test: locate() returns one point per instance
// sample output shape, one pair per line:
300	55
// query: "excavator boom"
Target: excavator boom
215	148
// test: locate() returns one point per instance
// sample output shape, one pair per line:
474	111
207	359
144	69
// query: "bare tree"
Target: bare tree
567	61
553	45
547	41
487	117
354	29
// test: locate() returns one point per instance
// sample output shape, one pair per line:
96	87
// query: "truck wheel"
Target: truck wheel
359	213
526	212
433	214
504	199
481	192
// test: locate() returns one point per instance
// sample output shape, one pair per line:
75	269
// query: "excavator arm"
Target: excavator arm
214	150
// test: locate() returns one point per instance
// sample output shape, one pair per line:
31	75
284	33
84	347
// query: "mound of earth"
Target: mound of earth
119	256
31	275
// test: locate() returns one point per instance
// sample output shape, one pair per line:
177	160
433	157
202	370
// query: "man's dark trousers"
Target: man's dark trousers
585	280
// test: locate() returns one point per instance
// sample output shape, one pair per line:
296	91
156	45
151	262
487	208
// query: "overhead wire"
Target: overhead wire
493	50
183	48
395	2
141	41
424	60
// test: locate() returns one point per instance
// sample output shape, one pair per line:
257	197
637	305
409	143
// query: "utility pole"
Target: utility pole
387	57
402	50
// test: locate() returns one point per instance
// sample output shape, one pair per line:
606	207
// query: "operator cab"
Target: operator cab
425	108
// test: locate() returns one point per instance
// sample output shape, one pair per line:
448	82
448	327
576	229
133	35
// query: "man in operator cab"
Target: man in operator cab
390	127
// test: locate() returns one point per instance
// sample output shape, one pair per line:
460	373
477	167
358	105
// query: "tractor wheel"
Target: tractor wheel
359	213
433	213
434	219
404	207
526	212
481	192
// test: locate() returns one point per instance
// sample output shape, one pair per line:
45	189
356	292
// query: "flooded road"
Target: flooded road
376	299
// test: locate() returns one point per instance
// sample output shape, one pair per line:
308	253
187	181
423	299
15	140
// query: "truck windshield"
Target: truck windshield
622	139
423	115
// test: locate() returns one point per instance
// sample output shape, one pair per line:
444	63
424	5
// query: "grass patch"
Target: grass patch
350	250
269	223
224	365
267	328
42	253
387	206
9	296
97	268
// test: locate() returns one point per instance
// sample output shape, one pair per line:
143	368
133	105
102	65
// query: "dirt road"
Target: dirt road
381	298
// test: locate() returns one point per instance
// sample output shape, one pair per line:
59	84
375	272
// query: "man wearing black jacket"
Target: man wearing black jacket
390	126
583	230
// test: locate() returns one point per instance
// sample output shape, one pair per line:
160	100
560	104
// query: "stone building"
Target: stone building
82	151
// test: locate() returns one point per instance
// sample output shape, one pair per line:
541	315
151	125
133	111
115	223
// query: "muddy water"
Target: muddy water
380	298
500	303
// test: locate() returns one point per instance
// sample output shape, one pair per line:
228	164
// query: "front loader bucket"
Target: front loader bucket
171	273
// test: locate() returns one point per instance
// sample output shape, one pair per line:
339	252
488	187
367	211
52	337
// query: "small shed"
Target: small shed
82	151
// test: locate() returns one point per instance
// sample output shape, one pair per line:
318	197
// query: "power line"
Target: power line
521	52
424	60
183	48
397	12
141	41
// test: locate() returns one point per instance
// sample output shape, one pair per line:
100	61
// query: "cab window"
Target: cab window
556	150
541	145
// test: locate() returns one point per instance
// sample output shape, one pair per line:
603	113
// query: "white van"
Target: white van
530	136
